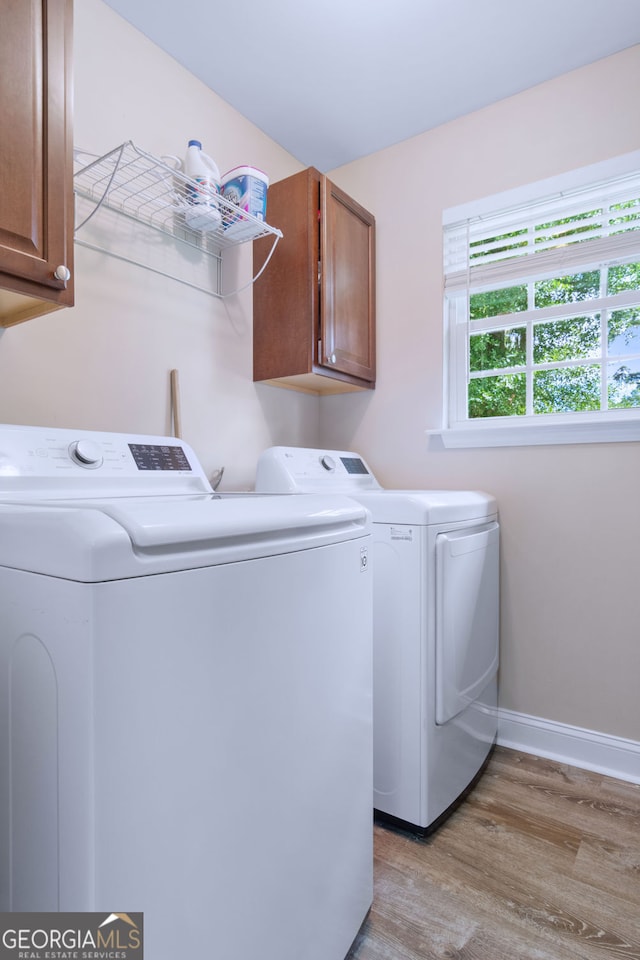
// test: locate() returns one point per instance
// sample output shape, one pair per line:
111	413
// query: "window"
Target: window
542	310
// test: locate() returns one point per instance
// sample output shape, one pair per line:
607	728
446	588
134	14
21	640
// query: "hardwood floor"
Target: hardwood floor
540	862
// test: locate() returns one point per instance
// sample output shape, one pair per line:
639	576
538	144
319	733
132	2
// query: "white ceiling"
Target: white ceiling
335	80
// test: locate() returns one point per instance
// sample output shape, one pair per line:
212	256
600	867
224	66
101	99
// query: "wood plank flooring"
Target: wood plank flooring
540	862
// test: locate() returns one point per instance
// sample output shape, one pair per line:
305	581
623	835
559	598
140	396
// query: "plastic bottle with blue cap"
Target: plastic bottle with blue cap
202	211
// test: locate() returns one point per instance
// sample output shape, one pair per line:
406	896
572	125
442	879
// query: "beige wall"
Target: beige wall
570	514
105	363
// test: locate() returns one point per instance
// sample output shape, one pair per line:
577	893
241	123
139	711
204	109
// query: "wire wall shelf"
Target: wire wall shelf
136	185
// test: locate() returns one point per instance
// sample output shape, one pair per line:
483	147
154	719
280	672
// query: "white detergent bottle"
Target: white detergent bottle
202	211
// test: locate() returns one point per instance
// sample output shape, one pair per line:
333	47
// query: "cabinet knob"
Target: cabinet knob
331	358
62	273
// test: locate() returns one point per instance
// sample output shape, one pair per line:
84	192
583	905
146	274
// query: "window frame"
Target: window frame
581	427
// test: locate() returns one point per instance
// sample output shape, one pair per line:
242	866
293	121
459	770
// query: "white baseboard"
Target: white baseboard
612	756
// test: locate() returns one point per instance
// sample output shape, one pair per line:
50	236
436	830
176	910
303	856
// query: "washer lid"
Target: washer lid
95	540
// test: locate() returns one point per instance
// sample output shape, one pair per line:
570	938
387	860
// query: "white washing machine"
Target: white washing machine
180	733
436	619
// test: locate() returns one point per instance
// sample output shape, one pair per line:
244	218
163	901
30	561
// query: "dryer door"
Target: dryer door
466	616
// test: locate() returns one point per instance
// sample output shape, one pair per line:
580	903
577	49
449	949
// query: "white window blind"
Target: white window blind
534	240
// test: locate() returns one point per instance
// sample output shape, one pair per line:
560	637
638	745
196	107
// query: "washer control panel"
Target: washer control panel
95	463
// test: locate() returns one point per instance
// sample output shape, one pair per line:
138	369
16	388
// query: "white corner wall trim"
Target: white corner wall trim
600	752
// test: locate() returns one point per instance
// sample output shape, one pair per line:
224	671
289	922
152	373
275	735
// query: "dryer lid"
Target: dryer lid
306	470
426	507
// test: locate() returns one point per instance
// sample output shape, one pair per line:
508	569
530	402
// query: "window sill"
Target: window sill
509	434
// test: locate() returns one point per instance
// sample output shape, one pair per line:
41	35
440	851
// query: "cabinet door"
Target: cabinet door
285	296
36	164
347	298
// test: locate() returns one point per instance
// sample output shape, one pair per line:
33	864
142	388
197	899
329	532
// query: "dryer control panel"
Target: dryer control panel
306	470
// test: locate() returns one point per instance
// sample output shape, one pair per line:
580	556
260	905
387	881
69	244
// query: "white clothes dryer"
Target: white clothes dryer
436	625
180	733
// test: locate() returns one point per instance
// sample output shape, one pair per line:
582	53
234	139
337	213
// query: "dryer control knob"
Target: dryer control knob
86	453
328	462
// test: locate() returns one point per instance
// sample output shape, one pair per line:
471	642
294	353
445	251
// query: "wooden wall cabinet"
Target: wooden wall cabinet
314	305
36	158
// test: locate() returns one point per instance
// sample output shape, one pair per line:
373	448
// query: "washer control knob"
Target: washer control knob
86	452
328	462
